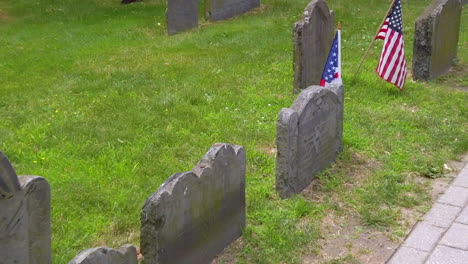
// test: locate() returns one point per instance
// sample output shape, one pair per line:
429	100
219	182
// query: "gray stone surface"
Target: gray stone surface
448	255
308	137
442	215
312	37
436	38
462	178
194	215
455	195
463	217
408	255
224	9
456	236
424	236
127	254
25	235
181	15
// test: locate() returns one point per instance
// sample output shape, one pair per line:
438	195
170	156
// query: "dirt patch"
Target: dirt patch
344	236
456	78
270	150
346	240
4	16
230	254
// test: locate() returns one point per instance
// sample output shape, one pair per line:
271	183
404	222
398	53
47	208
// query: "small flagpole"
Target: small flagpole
339	51
373	40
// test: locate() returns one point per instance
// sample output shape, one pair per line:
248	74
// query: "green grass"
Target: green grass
97	99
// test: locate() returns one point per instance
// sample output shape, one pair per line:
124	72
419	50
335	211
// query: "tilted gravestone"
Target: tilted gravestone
181	15
313	37
25	235
436	39
223	9
309	137
194	215
127	254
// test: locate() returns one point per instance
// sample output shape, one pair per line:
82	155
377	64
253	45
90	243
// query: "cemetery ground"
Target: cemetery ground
96	98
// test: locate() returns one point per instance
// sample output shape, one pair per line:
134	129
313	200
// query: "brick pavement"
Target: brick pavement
442	236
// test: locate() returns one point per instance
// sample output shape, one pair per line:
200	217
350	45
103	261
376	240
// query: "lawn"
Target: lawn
96	98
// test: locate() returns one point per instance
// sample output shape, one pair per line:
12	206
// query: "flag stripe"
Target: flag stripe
392	63
389	40
396	51
391	58
399	69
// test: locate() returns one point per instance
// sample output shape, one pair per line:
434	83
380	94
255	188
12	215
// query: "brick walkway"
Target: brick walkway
442	236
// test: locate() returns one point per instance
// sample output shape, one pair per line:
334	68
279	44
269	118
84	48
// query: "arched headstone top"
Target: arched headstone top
9	183
127	254
317	6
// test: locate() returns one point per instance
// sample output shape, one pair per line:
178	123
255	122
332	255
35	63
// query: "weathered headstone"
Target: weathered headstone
312	36
24	217
224	9
309	137
181	15
436	39
127	254
194	215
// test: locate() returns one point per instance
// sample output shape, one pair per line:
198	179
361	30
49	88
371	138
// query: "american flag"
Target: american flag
332	71
392	65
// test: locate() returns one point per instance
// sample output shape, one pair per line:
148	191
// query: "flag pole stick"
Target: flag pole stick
373	40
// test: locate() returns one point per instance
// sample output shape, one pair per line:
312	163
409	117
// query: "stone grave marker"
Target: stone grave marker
25	235
309	137
223	9
181	15
436	39
127	254
312	36
194	215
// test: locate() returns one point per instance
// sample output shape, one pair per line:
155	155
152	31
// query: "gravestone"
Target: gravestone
436	39
194	215
127	254
223	9
25	235
313	37
181	15
309	137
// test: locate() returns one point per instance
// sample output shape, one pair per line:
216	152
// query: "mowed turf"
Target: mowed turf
95	97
